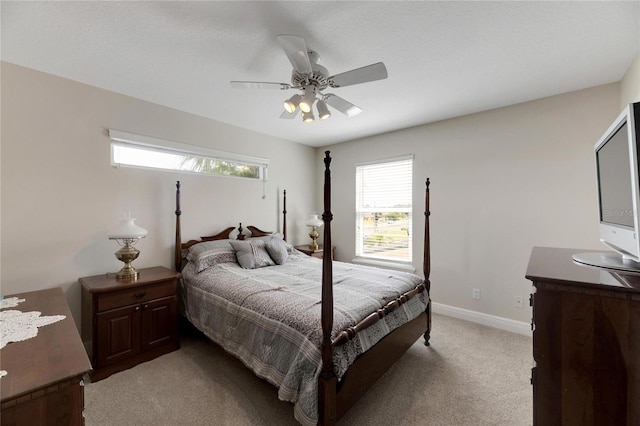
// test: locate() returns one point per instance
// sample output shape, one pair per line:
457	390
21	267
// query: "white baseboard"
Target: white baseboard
518	327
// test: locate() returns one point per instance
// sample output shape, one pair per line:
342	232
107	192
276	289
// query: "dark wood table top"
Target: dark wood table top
108	282
54	355
556	265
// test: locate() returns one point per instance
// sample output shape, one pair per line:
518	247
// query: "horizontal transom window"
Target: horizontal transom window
132	150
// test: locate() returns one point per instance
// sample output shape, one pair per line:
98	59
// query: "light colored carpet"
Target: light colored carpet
470	375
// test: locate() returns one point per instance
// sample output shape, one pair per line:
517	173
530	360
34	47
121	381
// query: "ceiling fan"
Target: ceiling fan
311	79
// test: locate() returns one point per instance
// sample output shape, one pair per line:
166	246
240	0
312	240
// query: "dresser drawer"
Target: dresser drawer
137	295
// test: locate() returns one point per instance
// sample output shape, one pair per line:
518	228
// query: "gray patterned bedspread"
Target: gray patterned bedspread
269	317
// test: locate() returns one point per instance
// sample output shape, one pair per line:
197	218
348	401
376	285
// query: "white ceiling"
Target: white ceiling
444	59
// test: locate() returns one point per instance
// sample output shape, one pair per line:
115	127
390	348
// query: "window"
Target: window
142	151
383	210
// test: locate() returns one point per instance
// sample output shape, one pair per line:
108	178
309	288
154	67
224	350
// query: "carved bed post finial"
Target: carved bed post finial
240	234
284	215
178	249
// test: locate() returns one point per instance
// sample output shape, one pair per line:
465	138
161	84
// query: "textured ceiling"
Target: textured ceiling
444	59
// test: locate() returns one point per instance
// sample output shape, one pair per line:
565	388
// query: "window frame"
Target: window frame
361	256
124	139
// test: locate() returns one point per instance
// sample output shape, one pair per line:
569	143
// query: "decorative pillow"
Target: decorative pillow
209	253
252	254
277	249
279	235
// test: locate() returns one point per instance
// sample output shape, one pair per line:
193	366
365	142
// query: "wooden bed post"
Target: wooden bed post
327	381
426	261
178	249
284	214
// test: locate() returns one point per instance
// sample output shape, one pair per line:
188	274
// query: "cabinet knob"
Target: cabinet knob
140	295
137	308
146	306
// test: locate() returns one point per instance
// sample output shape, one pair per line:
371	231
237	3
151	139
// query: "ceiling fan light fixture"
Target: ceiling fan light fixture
306	103
307	100
308	117
290	104
323	110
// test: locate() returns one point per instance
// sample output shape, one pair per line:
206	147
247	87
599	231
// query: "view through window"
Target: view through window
383	210
140	151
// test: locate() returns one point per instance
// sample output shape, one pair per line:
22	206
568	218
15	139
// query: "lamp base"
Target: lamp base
127	254
127	274
314	236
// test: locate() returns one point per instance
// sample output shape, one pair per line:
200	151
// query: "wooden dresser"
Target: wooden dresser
125	323
44	381
586	342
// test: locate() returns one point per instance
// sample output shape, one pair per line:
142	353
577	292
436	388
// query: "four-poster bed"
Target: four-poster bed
322	353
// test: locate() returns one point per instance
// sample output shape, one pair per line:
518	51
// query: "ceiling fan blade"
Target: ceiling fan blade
341	105
296	50
287	116
360	75
259	85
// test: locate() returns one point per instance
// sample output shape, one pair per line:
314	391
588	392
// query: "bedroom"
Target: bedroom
60	195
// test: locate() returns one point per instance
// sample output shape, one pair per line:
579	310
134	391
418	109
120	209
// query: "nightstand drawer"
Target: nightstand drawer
136	295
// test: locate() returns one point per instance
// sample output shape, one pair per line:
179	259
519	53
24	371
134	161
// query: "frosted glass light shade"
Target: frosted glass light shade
314	221
127	229
323	110
291	103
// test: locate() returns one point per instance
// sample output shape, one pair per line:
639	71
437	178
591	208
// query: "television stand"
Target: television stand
586	342
607	260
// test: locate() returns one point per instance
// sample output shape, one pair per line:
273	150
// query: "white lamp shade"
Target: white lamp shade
290	104
308	117
307	100
323	110
314	221
127	229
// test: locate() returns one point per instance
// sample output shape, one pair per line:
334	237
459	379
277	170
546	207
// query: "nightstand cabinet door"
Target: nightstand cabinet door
159	325
118	334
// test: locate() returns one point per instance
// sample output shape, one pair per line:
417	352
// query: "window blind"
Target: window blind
384	197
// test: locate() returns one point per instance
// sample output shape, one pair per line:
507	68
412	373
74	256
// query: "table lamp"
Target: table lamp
127	235
314	223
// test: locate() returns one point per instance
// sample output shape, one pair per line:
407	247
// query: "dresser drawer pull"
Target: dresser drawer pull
140	295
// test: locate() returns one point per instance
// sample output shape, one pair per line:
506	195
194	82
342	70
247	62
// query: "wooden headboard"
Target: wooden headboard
222	235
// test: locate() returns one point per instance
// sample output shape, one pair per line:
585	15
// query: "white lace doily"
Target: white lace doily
16	326
9	302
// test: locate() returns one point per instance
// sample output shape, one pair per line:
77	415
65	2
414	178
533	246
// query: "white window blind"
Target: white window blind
132	150
383	210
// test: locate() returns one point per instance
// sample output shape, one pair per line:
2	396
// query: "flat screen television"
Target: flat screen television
618	178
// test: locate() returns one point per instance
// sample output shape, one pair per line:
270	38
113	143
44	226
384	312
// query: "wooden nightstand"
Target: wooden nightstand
315	253
125	323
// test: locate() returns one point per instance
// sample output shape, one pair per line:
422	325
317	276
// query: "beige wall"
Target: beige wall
502	181
630	84
60	195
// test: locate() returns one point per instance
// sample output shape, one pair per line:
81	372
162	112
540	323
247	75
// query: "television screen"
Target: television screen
614	178
618	175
